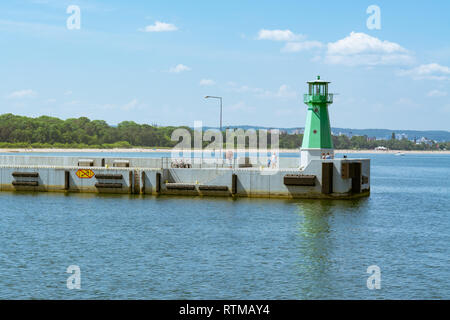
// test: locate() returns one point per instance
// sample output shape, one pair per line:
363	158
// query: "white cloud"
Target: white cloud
407	102
72	103
160	27
243	89
361	49
432	71
130	105
50	101
437	93
207	82
179	68
301	46
283	91
278	35
68	93
26	93
358	42
241	107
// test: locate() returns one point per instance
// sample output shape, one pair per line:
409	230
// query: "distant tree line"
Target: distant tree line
79	133
363	142
47	132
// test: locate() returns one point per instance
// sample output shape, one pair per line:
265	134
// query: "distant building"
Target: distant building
401	136
425	141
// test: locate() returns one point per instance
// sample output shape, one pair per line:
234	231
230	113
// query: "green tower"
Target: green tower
317	142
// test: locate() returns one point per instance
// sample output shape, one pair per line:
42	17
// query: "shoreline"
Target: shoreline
394	151
158	150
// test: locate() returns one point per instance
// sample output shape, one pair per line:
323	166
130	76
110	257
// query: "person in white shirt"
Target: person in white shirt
274	160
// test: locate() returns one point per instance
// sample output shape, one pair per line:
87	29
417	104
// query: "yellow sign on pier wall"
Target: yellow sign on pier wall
85	173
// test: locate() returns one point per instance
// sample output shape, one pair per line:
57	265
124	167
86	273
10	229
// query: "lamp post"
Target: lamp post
220	98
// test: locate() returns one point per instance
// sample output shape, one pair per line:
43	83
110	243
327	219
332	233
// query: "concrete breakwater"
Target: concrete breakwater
333	178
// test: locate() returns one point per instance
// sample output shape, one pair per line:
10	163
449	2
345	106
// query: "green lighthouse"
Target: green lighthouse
317	142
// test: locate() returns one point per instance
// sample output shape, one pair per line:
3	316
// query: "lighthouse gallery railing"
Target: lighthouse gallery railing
308	98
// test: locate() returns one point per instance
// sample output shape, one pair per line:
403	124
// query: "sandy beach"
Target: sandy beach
159	150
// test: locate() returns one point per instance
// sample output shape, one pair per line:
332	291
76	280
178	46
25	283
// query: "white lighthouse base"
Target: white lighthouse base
306	155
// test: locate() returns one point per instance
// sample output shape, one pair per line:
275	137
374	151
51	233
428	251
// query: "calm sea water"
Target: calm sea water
132	247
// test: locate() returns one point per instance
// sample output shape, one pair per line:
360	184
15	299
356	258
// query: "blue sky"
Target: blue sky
154	61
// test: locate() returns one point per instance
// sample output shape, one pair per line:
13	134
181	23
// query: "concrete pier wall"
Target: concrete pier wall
139	162
59	174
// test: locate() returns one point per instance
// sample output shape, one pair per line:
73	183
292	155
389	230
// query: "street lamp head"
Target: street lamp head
207	97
